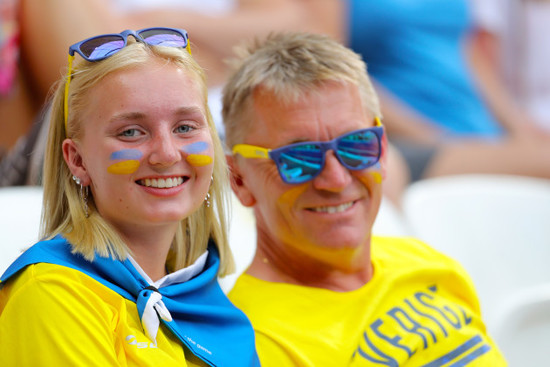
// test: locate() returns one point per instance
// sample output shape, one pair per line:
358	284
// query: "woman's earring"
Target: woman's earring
83	194
207	198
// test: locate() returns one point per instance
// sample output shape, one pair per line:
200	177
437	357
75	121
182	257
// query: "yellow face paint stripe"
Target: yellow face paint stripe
377	176
199	160
124	167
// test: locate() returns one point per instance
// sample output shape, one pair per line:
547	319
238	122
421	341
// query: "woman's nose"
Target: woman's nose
164	150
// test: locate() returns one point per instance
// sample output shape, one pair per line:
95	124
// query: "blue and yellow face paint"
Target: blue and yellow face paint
194	157
377	173
128	161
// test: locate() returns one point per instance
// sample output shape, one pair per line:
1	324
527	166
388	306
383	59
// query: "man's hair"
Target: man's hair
288	65
63	211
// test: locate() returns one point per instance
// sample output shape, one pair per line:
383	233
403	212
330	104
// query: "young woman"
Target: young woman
133	220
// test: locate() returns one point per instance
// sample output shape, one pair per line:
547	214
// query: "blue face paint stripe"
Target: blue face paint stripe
197	147
127	154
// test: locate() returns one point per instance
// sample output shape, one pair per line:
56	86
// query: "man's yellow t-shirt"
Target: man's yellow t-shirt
419	309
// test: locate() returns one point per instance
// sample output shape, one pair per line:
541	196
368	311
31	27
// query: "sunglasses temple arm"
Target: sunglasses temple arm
66	95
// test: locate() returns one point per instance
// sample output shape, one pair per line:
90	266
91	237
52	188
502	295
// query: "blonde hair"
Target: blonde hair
63	211
289	65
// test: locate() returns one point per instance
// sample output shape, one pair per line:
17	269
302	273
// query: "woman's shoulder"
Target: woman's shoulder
44	283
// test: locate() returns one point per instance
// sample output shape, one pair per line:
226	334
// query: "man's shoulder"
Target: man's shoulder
409	249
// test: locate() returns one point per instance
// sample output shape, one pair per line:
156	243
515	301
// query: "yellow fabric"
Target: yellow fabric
419	309
51	315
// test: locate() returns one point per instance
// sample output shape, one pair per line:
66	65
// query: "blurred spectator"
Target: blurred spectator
514	35
17	105
35	36
441	105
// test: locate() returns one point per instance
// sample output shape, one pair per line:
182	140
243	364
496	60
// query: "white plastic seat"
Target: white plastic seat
242	239
20	210
390	221
522	327
498	227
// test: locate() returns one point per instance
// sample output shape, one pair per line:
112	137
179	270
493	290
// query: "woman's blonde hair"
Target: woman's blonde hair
289	65
63	211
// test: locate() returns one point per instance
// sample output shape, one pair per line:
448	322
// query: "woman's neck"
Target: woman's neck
149	248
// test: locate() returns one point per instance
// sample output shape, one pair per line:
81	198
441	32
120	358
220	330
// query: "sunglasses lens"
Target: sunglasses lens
300	163
359	150
102	47
163	37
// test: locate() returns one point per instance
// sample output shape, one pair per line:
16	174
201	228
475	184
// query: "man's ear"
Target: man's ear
73	158
238	183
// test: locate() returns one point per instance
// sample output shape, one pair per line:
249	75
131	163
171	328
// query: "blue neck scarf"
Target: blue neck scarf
203	319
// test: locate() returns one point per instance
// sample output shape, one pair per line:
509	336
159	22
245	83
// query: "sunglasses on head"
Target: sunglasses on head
101	47
302	162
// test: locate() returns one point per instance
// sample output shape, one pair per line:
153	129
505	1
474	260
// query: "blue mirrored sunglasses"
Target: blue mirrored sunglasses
101	47
302	162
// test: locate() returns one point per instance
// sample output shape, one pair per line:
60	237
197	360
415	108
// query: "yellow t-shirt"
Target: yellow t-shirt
51	315
419	309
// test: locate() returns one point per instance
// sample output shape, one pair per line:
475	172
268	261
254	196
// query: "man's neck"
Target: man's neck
342	274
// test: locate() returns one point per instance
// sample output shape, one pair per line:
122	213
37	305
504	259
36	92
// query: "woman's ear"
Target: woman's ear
238	183
73	158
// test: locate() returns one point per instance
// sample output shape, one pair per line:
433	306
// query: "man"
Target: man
303	123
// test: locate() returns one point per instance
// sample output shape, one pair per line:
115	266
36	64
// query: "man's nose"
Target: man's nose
334	176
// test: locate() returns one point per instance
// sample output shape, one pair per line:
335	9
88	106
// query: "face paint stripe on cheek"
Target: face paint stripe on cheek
292	194
195	159
124	167
377	177
376	172
129	163
126	154
199	160
197	147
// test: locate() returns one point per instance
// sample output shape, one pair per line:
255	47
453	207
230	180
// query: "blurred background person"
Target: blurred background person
438	106
514	36
17	103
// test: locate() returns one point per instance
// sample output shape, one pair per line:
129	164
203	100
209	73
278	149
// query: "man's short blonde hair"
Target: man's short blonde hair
289	65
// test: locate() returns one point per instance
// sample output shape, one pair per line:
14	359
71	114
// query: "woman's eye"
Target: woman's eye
183	129
130	133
